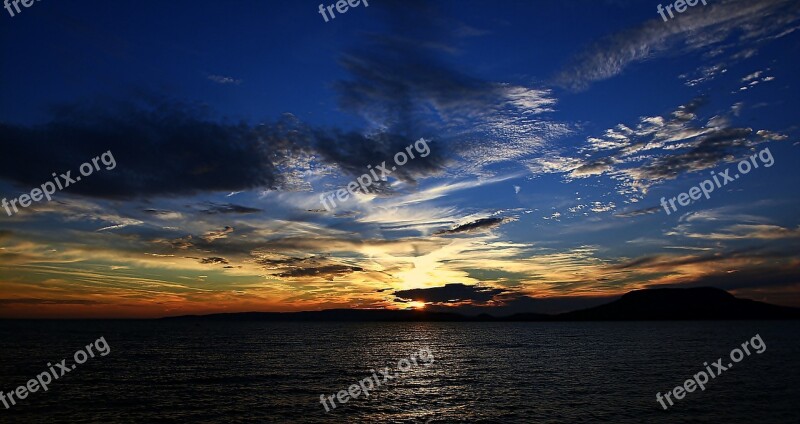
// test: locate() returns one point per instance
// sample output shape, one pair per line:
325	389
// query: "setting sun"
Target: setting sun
417	305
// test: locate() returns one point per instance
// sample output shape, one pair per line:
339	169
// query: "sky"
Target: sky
544	137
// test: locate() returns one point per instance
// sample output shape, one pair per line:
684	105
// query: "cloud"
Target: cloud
182	243
449	293
353	152
216	235
658	148
757	277
638	212
225	208
477	226
327	271
744	257
396	81
161	148
595	167
123	222
214	260
303	268
704	74
698	28
754	79
85	211
727	213
707	151
219	79
272	261
747	231
163	214
752	76
165	148
399	82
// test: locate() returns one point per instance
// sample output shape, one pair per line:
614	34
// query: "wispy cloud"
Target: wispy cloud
657	149
221	79
697	29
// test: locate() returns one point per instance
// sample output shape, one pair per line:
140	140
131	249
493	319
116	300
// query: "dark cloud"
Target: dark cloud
269	261
217	234
710	150
347	214
327	271
214	260
160	148
399	81
662	148
395	78
223	208
449	293
597	166
166	148
182	243
158	212
353	152
476	226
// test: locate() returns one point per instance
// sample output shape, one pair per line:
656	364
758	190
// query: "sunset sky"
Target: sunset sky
554	131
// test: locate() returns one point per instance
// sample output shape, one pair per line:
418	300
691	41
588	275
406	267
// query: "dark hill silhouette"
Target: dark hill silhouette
704	303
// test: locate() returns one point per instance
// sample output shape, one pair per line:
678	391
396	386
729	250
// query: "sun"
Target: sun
417	305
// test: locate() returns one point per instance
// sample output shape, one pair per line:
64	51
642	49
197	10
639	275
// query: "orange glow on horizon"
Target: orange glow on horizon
417	304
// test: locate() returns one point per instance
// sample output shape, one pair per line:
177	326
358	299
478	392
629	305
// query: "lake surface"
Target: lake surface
482	372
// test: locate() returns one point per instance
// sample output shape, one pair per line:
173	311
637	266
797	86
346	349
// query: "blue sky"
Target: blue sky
555	128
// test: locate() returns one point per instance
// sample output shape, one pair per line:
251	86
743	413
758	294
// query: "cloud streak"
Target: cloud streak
698	28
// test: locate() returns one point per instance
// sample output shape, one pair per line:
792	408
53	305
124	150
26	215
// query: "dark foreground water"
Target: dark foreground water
482	372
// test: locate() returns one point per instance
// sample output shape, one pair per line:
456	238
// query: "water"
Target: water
482	372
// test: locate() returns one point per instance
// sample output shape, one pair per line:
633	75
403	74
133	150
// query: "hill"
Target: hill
704	303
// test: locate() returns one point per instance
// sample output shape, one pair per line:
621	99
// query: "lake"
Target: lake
224	372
